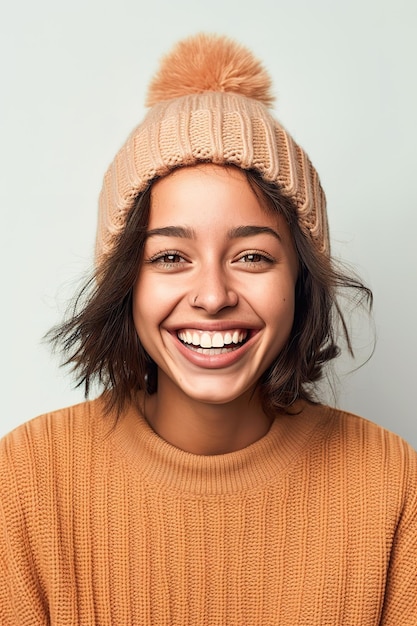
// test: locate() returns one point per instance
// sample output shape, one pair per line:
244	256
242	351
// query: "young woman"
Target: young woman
207	485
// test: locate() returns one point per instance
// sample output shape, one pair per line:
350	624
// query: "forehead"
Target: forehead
207	195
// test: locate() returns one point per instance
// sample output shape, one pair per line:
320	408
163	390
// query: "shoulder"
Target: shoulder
45	460
370	471
364	449
356	433
74	416
59	434
371	439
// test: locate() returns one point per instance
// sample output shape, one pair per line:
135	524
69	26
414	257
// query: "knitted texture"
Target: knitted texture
222	119
313	525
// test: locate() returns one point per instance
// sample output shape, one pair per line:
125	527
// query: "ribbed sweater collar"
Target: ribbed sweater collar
162	463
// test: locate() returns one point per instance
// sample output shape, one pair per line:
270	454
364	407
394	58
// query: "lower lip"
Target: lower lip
213	361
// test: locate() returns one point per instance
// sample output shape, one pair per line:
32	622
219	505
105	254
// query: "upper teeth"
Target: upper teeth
215	340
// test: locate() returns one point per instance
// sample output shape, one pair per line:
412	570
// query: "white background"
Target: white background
73	82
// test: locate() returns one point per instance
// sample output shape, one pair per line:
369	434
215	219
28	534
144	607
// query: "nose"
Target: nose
213	291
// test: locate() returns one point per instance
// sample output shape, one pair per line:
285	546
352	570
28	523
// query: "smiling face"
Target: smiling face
213	303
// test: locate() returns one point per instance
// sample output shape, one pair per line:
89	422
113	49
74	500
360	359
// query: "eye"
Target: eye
252	258
170	259
255	259
167	259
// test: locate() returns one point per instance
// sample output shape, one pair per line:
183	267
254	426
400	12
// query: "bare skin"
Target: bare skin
204	428
213	305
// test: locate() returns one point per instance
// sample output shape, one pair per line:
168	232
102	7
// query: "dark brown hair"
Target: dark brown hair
319	323
100	342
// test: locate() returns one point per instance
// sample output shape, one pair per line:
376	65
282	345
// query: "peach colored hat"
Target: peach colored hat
209	103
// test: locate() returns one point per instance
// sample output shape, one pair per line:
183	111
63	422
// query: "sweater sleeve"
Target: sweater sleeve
21	597
400	605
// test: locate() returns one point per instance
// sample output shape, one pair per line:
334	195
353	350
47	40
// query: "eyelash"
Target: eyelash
263	257
159	256
157	259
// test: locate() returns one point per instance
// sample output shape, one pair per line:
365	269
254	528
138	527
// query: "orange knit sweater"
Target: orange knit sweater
314	524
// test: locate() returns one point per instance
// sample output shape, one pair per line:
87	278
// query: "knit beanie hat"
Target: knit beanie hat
209	104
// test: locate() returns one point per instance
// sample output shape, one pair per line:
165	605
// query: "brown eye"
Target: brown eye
170	258
255	258
252	258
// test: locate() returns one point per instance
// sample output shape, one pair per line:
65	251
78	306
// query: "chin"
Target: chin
215	393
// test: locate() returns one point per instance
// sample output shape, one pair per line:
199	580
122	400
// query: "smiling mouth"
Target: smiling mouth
217	342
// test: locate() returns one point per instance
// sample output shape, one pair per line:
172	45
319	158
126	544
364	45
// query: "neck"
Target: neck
205	428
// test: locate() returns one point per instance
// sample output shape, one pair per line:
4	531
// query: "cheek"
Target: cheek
280	316
144	319
276	297
141	307
151	304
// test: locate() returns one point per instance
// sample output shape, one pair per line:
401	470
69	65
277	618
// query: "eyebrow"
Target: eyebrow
248	231
184	232
172	231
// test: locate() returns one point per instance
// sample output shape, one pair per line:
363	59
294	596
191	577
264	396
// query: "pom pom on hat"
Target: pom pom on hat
210	63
